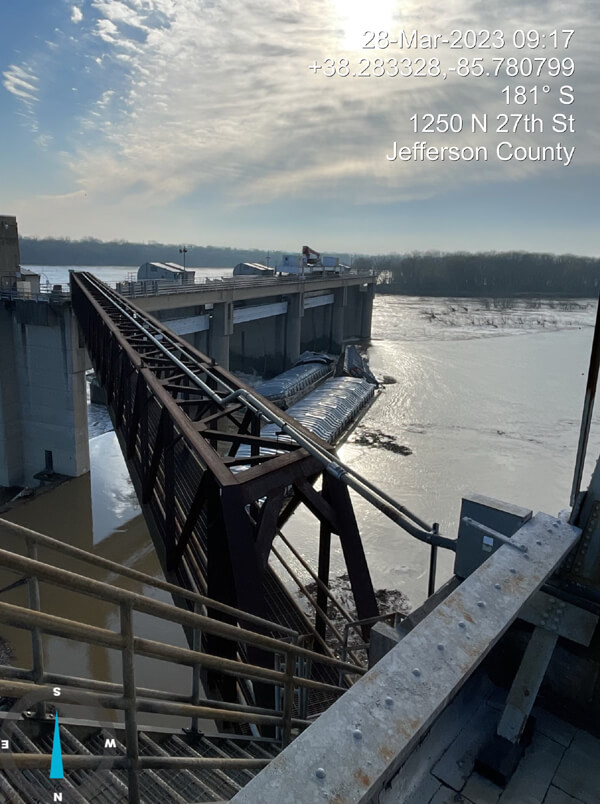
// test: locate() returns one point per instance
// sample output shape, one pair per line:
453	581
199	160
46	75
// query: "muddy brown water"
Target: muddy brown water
94	514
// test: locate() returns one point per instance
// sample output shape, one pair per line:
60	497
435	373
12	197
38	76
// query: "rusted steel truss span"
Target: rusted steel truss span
182	422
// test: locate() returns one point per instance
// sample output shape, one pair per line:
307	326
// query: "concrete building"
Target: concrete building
168	271
12	276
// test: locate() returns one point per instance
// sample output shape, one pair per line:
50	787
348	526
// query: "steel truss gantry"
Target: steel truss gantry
182	422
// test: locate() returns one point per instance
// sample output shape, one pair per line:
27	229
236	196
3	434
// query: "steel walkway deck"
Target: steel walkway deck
109	786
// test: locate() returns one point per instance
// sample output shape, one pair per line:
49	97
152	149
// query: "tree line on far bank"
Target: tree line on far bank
420	273
503	274
93	252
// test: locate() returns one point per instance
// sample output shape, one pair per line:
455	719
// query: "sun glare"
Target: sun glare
354	17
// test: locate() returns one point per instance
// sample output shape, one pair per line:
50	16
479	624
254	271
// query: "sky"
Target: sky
200	121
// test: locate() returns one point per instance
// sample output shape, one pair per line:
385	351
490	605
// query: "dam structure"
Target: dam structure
248	324
43	407
262	323
486	693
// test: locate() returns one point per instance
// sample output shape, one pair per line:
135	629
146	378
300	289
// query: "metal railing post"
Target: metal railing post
303	671
196	645
288	697
129	693
432	570
37	642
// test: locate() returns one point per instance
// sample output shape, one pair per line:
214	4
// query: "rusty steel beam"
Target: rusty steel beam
181	425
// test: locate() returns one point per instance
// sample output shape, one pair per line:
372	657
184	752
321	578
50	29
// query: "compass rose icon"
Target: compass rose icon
59	784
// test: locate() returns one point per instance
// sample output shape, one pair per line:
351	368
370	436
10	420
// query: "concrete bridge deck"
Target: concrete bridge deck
262	324
150	295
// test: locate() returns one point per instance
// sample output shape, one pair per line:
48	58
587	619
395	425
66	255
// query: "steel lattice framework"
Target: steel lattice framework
182	421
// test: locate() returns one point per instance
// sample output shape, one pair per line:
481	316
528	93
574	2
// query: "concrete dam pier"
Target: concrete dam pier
43	413
244	324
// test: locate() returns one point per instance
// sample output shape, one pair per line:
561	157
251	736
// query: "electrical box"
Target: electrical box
473	546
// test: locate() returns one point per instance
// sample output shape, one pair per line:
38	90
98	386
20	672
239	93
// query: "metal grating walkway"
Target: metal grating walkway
109	786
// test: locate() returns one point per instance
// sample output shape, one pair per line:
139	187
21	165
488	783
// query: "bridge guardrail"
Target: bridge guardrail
43	296
157	287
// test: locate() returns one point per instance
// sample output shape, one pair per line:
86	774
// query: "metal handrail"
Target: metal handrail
165	611
10	673
80	697
78	762
158	287
127	697
310	598
51	296
148	580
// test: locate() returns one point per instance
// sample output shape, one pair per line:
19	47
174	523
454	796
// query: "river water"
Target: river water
487	398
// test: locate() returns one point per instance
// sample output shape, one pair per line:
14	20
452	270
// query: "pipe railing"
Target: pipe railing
42	296
164	611
15	682
41	540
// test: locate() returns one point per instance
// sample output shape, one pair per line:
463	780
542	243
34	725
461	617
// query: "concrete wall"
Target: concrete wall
358	312
243	345
11	437
258	346
318	315
290	324
42	393
316	329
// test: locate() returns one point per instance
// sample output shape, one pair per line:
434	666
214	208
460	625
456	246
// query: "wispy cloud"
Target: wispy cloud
220	93
78	194
107	31
190	95
134	13
21	82
44	141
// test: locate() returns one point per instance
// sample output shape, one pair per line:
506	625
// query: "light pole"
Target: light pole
183	251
